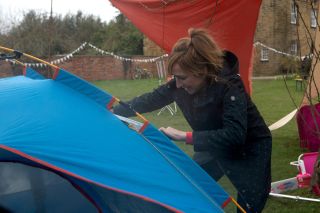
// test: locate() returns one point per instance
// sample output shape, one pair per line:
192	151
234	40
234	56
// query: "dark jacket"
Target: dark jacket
225	121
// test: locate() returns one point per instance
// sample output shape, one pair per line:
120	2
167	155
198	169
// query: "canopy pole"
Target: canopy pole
19	62
31	57
237	204
145	121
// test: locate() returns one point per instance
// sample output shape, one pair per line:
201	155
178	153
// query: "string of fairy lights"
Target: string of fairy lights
118	57
277	51
103	52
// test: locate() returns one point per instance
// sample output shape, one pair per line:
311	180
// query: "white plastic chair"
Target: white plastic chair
162	75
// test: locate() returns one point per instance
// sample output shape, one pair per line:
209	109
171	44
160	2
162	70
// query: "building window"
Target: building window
264	54
313	18
294	13
294	48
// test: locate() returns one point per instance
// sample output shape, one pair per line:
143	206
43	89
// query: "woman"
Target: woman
229	135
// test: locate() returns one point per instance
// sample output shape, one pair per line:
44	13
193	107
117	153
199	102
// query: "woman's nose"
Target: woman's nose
178	83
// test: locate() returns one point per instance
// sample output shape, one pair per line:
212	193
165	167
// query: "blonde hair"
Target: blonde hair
198	54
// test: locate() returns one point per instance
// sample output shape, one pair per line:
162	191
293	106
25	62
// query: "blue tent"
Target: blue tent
62	150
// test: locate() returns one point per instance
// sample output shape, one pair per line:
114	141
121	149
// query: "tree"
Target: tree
43	36
123	38
289	65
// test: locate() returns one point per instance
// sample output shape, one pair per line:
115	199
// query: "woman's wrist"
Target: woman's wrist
189	139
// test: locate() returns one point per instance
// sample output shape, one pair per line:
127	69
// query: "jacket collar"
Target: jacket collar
230	65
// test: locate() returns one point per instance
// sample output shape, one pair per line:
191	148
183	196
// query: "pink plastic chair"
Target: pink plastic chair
305	165
308	118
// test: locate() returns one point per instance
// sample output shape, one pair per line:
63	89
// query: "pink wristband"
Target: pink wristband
189	138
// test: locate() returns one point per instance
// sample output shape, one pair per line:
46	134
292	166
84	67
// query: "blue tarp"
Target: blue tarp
63	127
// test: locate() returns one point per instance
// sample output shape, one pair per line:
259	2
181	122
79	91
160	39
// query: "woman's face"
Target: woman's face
186	80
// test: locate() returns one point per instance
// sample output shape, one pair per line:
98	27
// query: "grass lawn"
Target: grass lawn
274	99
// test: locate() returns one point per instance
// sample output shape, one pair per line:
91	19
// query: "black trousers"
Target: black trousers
251	176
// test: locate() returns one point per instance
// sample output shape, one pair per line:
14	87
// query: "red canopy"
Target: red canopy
232	23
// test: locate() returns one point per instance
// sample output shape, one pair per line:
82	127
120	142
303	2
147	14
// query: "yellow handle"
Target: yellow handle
31	57
237	204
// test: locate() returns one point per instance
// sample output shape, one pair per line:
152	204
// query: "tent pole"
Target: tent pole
31	57
294	197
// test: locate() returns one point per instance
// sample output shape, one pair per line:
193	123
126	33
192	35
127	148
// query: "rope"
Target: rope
283	121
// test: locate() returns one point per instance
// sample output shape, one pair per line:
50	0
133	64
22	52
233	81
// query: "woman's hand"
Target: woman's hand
173	133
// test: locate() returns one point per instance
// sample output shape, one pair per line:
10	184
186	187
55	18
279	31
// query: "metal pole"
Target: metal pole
294	197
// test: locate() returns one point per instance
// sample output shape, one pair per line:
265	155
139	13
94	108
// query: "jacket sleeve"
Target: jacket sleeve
147	102
234	121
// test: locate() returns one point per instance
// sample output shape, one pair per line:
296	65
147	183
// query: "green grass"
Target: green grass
274	100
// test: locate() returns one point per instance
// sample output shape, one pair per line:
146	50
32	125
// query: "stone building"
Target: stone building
282	27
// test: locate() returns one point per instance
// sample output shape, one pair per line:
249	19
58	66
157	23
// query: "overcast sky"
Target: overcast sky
13	9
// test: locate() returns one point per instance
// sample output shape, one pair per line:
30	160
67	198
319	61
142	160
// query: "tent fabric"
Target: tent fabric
35	190
32	73
232	23
63	126
308	122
